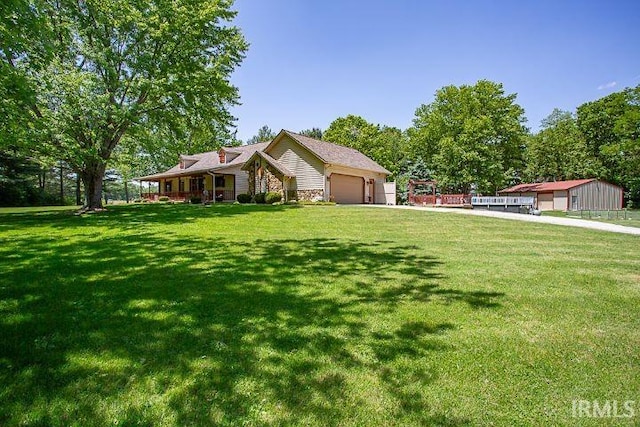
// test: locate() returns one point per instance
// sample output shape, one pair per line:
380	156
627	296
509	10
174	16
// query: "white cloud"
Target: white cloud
607	85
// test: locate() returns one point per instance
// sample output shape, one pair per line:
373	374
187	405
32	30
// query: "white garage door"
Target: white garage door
347	189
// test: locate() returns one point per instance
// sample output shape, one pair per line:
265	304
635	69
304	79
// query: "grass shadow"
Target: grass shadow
263	331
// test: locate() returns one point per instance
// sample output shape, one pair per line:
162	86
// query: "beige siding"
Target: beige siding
241	179
560	200
309	170
595	195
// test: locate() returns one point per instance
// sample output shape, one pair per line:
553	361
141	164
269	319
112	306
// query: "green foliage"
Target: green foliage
559	151
265	134
416	170
471	137
113	68
315	133
272	197
386	145
195	200
244	198
260	198
164	199
610	127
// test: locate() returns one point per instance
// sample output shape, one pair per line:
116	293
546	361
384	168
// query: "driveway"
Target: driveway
569	222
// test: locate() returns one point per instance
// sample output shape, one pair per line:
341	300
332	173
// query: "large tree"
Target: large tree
559	151
610	127
90	72
471	136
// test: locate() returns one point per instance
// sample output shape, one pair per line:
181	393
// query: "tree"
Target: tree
610	127
315	133
416	170
559	152
386	145
112	68
471	136
264	134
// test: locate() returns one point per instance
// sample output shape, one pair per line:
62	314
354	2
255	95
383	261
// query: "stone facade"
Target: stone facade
274	184
268	183
311	195
252	181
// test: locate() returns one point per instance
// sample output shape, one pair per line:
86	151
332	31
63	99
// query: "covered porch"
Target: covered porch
209	187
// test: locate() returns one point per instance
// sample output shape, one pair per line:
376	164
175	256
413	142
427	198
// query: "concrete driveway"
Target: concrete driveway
569	222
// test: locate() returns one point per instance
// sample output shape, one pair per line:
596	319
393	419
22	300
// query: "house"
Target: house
578	194
297	166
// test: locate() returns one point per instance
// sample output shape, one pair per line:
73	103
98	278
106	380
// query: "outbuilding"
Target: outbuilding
577	194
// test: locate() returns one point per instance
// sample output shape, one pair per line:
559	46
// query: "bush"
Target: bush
272	197
260	197
244	198
163	198
196	200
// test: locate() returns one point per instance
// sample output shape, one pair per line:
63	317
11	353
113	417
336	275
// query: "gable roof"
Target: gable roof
273	162
210	160
546	186
330	153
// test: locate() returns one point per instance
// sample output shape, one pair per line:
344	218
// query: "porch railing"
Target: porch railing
221	195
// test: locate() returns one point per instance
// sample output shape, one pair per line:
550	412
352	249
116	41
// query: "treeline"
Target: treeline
470	138
473	138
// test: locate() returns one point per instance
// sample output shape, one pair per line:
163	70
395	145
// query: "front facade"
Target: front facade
213	176
574	195
299	167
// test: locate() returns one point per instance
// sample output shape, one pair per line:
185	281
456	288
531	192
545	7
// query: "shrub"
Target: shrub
244	198
137	200
196	200
260	197
272	197
163	198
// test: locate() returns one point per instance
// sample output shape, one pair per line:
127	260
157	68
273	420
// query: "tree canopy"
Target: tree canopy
559	151
471	136
610	127
86	74
386	145
264	134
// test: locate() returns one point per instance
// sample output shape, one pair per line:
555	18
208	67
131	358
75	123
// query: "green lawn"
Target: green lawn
280	315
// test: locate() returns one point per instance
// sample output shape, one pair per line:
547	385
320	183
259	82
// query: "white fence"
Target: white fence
501	201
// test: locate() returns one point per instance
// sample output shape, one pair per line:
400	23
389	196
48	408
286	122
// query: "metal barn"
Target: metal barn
574	195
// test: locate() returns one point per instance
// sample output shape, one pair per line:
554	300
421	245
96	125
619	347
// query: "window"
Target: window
167	187
196	184
220	181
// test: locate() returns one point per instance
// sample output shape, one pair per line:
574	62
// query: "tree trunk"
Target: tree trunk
92	177
126	190
78	193
61	184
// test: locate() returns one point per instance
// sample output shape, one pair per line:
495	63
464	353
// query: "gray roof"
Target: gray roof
335	154
210	160
327	152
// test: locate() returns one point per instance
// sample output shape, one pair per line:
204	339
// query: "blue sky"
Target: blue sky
311	62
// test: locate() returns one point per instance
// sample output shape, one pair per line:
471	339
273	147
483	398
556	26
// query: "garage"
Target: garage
545	201
347	189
